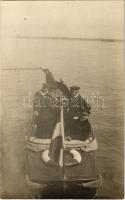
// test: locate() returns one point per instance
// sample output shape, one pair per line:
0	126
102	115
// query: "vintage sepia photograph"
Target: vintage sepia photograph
61	99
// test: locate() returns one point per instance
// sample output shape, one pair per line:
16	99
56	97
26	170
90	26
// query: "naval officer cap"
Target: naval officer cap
74	88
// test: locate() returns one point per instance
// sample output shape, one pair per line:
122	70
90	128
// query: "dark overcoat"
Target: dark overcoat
47	116
76	127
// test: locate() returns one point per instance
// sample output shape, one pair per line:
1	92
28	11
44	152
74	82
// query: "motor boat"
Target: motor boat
76	166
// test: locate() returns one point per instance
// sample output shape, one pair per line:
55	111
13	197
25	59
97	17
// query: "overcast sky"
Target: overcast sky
86	19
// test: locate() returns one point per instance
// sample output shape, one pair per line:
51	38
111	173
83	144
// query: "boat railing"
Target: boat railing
42	144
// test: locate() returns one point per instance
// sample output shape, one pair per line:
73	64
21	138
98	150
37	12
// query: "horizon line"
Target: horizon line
69	38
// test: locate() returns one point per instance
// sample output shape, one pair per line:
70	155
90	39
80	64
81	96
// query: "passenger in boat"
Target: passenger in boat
40	112
79	126
39	97
62	94
46	113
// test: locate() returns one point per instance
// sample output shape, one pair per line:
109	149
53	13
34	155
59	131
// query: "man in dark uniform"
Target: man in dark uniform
79	110
40	112
45	113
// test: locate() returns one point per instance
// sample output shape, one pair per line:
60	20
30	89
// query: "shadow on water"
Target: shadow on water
71	192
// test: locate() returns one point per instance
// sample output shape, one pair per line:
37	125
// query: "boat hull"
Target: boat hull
41	172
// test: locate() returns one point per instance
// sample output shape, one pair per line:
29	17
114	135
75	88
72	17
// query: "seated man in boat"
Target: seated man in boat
79	110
